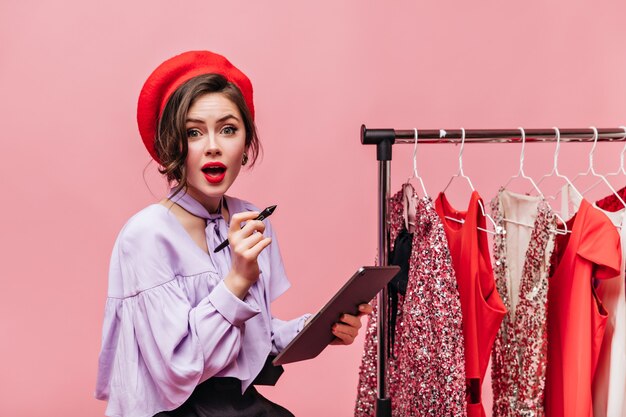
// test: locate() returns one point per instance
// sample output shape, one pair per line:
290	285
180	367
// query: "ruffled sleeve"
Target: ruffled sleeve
283	331
156	347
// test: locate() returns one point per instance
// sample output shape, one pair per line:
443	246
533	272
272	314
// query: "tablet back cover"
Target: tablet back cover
317	334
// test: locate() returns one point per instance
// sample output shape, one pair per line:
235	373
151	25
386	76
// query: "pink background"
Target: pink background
74	170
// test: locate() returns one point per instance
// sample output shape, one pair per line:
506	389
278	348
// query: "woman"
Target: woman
188	331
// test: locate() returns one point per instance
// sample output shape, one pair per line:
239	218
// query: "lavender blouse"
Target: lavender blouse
170	322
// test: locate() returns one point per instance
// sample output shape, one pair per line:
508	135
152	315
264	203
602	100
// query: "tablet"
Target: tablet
317	334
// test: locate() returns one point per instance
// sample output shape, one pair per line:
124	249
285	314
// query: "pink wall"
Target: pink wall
73	168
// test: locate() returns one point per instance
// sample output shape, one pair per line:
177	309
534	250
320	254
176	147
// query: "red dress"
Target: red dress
611	203
576	318
481	305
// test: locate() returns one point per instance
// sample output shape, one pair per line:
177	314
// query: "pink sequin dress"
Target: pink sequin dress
426	373
521	268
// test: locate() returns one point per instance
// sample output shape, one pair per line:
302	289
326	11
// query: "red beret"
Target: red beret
173	73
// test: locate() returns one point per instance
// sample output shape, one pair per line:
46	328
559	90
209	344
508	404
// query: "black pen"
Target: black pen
264	214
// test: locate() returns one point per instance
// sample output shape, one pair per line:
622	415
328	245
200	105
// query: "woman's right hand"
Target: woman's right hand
245	246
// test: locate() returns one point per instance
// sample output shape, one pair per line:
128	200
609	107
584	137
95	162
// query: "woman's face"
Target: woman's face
216	136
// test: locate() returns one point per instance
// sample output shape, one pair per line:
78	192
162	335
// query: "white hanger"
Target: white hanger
461	174
621	169
410	201
555	169
592	171
415	174
591	152
616	173
555	172
522	174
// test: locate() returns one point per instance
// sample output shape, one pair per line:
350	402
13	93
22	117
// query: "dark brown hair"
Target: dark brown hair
171	141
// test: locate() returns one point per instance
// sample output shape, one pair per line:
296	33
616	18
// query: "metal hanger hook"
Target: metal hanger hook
521	157
621	156
593	149
415	174
461	152
558	147
415	155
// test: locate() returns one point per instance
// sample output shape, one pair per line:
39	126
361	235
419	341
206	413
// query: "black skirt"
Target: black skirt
222	397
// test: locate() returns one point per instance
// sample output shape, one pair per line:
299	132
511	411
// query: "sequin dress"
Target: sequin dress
521	268
426	373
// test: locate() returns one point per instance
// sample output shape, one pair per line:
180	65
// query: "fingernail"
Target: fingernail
361	307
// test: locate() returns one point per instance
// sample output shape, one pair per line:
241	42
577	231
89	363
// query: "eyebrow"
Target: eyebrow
228	116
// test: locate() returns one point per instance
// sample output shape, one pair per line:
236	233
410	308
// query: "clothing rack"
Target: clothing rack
385	138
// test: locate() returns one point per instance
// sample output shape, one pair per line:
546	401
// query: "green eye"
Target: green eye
229	130
193	133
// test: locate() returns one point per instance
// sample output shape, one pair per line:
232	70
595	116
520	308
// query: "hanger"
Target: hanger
461	174
555	172
522	174
592	171
415	174
410	202
555	169
621	169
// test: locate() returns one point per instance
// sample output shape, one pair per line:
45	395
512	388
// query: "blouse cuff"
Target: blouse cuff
283	332
235	310
301	322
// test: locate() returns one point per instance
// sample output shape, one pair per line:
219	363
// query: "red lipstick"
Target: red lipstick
214	172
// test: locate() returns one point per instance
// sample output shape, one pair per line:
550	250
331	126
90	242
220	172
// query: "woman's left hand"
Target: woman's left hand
347	328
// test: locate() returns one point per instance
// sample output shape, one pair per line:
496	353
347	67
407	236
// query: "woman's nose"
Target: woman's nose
211	146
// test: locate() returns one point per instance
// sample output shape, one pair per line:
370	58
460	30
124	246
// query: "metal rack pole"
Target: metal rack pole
372	136
383	155
384	139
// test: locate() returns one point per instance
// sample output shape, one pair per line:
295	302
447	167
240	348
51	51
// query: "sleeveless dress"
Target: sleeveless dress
576	317
522	264
483	309
426	375
609	381
609	384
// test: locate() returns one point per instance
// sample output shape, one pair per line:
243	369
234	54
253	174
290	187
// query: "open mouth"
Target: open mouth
214	171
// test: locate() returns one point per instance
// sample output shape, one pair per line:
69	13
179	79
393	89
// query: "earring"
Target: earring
245	159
